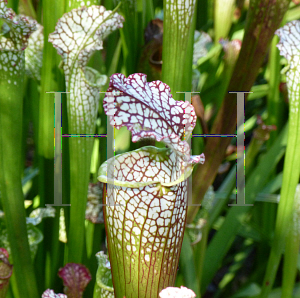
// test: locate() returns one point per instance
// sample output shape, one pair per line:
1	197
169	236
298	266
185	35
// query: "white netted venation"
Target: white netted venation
145	216
50	294
289	46
34	53
78	34
148	110
16	31
145	231
18	28
147	188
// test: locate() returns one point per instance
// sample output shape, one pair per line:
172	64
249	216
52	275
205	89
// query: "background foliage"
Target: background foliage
226	249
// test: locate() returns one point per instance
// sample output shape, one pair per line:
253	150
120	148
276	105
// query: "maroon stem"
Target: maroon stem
264	17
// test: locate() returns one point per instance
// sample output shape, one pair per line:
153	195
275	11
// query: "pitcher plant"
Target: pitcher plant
146	196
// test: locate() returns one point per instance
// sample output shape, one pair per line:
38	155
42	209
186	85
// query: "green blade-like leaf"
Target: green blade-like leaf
289	47
78	34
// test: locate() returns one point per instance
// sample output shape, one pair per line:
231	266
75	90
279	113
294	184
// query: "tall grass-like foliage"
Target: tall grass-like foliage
289	46
12	77
76	42
152	244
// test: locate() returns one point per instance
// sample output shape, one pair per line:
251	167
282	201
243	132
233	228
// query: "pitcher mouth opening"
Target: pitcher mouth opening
144	166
